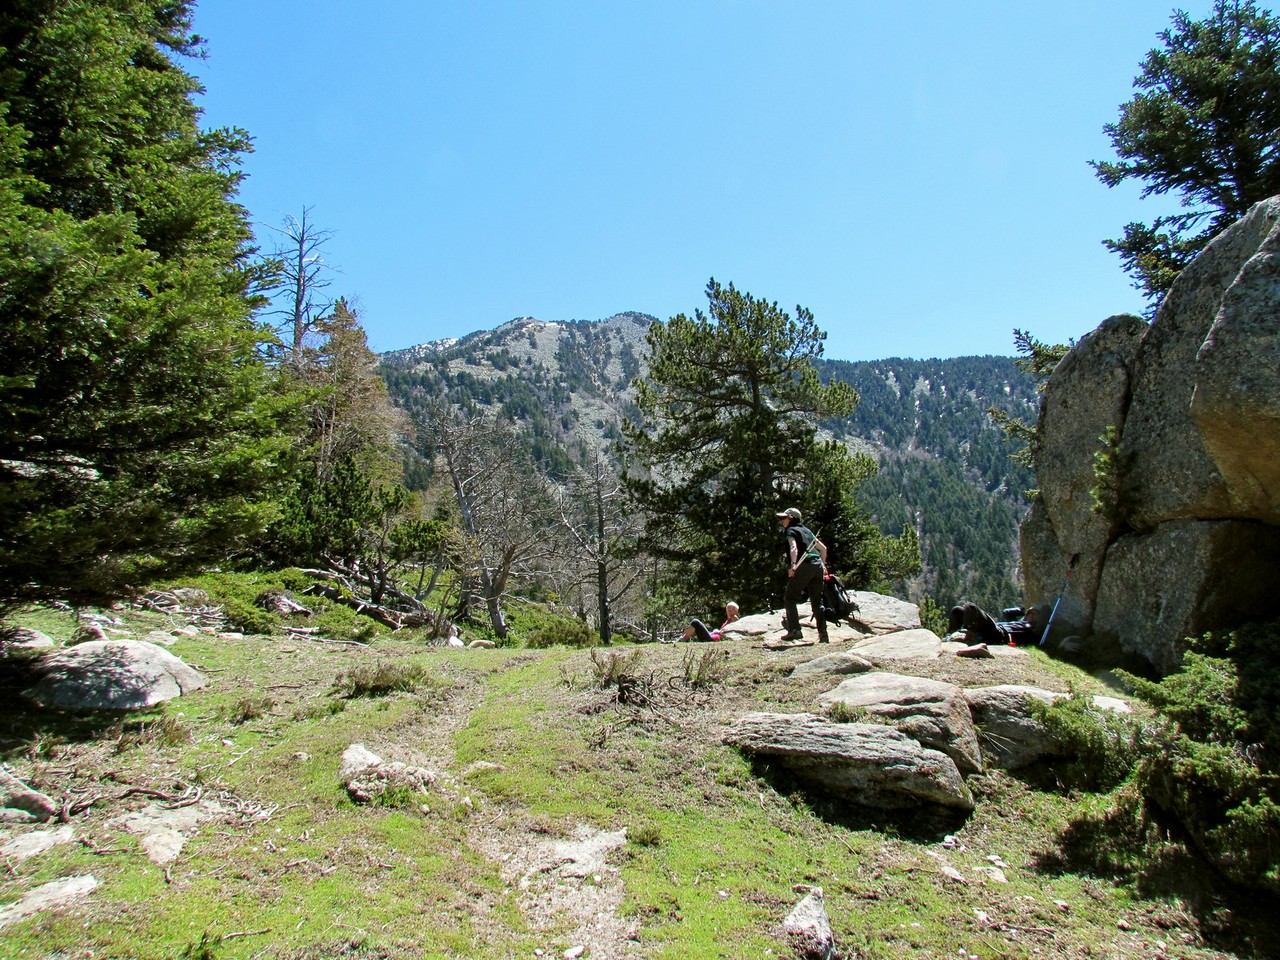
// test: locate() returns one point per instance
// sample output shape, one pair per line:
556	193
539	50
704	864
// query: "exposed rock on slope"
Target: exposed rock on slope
1191	541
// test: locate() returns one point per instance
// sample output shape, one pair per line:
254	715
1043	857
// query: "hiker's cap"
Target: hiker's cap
791	512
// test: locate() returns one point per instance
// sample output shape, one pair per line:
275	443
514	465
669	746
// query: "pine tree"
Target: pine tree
727	437
138	428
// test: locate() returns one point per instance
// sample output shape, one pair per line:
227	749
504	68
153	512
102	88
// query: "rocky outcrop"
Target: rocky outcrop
877	613
1191	539
865	764
1012	737
111	675
933	712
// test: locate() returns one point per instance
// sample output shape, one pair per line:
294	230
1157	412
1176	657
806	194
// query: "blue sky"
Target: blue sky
916	174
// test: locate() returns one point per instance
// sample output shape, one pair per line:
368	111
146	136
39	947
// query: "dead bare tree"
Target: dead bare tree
604	534
303	274
506	505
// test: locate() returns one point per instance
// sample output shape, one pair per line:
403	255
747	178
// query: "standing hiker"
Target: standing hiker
804	574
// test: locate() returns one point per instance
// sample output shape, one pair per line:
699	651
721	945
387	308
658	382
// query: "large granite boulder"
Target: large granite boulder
111	675
933	712
1012	737
1193	538
1183	579
1088	392
863	764
878	613
1236	404
1170	473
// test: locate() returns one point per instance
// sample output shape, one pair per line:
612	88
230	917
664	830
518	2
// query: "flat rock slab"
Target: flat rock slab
111	675
26	845
45	897
866	764
837	663
901	645
163	831
879	614
933	712
1013	737
587	853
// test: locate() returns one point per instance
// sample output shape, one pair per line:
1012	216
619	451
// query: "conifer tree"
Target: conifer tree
727	437
137	425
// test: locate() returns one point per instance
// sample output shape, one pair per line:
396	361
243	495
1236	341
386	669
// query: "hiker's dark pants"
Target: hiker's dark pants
806	582
979	625
700	631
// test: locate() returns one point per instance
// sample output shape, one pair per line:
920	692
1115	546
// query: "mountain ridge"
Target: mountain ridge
944	464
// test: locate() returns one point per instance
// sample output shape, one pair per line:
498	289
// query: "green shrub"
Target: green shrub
248	618
1208	774
563	632
1103	746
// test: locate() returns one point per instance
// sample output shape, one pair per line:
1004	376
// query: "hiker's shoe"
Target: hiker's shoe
824	639
793	635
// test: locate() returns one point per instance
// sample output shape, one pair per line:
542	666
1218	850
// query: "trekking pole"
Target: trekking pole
1071	568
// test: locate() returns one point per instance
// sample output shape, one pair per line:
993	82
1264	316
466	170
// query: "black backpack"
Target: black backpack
837	604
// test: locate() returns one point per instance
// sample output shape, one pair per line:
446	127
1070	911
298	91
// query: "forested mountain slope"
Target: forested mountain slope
944	465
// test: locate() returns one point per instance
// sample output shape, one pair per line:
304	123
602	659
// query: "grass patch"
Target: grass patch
383	678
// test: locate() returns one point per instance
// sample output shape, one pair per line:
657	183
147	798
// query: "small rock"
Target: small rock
574	952
1062	905
480	644
951	873
809	929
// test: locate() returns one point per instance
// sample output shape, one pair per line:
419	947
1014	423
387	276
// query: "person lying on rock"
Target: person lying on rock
697	630
980	627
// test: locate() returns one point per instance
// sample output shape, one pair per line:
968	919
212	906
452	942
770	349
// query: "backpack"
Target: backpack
837	604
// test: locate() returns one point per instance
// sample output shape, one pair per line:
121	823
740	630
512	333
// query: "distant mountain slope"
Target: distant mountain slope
944	466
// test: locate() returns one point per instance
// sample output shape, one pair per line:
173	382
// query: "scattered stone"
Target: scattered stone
111	675
45	897
808	928
24	638
994	873
456	642
20	803
160	638
951	873
839	663
482	644
366	775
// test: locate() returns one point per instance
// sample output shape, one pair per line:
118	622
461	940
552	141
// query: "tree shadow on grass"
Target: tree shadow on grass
26	727
1118	847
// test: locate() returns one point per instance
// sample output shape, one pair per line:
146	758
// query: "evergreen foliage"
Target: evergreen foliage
138	428
727	436
1204	126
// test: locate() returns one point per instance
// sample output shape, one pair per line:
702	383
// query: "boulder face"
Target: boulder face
1193	537
865	763
112	675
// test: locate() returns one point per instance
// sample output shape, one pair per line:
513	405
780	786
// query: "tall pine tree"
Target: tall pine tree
137	424
727	436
